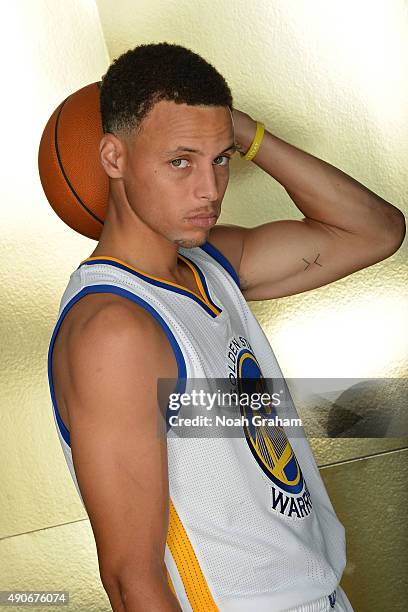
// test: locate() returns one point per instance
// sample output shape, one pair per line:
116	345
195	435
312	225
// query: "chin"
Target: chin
189	243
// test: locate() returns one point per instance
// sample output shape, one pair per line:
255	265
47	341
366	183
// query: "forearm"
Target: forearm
319	190
141	597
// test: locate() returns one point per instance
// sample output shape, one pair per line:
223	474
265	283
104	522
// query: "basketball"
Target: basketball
71	173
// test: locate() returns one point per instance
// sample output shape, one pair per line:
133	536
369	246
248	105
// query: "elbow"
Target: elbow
396	232
384	231
388	234
386	239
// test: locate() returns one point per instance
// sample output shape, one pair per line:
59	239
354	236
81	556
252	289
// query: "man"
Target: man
230	524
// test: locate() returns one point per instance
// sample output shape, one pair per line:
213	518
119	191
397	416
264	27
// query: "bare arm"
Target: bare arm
346	227
119	457
284	258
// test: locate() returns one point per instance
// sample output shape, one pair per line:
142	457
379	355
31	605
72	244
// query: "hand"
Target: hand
244	129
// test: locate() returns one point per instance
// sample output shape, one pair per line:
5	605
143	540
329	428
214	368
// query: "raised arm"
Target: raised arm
346	227
119	457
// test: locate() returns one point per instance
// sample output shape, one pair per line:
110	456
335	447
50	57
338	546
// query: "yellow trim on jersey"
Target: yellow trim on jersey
194	582
203	297
196	276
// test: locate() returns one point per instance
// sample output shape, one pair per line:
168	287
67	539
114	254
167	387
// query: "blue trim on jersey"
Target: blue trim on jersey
222	260
158	283
181	364
204	282
64	431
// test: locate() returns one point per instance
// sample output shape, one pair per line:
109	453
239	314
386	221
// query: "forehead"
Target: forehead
170	125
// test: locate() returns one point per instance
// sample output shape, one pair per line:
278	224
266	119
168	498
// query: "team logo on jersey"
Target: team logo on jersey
268	444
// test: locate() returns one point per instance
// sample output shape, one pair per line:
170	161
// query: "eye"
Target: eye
177	165
226	157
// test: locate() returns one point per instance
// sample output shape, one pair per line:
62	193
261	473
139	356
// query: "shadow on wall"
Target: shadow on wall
375	408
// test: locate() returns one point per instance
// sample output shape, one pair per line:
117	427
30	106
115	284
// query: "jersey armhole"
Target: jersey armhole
221	259
181	364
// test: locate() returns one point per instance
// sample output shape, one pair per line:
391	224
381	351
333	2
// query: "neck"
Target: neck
126	237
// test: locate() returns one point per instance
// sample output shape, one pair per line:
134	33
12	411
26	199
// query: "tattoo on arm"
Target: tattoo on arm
315	261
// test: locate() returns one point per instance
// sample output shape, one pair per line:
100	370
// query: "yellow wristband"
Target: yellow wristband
256	143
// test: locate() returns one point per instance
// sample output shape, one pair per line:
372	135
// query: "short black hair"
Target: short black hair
142	76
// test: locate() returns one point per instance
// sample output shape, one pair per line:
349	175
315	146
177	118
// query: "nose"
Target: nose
207	185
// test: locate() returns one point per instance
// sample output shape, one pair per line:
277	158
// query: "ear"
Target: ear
112	152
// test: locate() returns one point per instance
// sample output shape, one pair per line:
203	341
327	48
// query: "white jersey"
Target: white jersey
251	527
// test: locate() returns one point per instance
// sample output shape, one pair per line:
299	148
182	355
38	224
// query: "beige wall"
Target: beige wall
329	77
49	49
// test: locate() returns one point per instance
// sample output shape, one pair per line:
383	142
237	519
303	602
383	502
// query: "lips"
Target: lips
203	220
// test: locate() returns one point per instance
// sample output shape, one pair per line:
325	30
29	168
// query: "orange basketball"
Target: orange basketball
71	173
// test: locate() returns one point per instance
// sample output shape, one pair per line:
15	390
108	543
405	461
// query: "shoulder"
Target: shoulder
108	315
109	329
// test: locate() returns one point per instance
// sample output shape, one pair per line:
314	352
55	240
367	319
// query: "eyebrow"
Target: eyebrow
181	149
